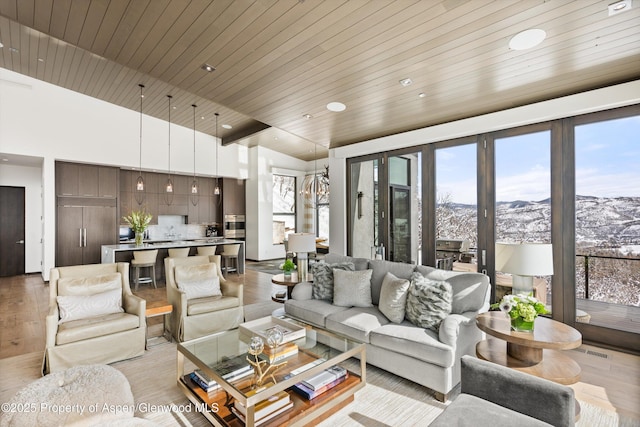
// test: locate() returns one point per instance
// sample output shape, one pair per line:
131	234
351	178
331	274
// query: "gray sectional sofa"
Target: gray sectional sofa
422	355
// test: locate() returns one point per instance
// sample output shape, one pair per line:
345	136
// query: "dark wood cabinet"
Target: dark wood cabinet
107	182
78	180
67	179
233	196
81	232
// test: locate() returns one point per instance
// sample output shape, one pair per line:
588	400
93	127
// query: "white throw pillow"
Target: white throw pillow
198	281
352	288
393	297
75	307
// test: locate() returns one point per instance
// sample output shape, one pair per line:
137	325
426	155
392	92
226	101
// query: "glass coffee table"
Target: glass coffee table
317	351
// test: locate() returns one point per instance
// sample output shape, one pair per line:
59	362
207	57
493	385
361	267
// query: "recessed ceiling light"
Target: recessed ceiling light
5	159
406	82
226	126
619	6
13	50
1	45
40	60
208	68
336	106
527	39
422	95
307	116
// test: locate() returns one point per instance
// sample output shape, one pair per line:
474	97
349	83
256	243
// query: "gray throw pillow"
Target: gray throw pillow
393	297
323	278
352	288
428	302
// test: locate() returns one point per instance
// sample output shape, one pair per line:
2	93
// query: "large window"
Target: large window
607	209
284	207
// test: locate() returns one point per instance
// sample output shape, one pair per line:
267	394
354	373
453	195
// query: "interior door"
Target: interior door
12	231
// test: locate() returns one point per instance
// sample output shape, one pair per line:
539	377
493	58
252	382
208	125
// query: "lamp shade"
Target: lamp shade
301	242
525	259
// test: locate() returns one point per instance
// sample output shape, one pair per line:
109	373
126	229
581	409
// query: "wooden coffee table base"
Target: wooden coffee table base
553	365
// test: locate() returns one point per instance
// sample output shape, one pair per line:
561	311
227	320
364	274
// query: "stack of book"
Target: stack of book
265	409
234	368
278	354
321	383
202	379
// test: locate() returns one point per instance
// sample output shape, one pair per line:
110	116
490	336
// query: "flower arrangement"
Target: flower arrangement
521	309
138	220
287	266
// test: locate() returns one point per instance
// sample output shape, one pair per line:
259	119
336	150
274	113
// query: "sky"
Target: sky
607	164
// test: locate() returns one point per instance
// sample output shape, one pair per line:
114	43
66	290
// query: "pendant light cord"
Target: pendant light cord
141	96
169	96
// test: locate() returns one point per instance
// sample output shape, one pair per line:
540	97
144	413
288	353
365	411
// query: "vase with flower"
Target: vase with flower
522	311
287	268
138	221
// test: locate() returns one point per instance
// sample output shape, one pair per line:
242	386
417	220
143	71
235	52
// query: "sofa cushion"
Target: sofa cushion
393	297
359	263
470	290
419	343
76	307
425	270
97	326
356	322
323	278
428	302
208	304
312	311
352	288
198	281
380	269
89	285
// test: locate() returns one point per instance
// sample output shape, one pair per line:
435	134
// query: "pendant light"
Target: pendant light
139	192
168	188
194	194
216	190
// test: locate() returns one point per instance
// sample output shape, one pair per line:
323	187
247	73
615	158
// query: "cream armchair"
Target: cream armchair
93	317
198	311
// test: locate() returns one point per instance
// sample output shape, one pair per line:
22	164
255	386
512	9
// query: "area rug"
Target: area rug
386	400
270	266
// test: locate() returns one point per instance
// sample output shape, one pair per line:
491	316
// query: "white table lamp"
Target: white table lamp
523	261
302	244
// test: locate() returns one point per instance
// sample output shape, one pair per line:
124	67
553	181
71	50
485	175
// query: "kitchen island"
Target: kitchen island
124	251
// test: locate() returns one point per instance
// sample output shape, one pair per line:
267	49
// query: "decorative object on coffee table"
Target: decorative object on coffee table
262	369
522	311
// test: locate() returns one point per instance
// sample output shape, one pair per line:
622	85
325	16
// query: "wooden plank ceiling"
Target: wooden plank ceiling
277	61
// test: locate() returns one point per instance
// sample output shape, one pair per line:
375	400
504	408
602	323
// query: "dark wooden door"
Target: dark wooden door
99	227
12	220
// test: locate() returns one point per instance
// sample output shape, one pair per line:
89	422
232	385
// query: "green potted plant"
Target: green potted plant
287	267
138	221
522	311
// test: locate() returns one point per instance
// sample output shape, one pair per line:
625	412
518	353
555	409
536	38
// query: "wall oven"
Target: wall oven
234	226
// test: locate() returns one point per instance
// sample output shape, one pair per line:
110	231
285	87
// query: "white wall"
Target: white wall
31	179
582	103
259	192
42	120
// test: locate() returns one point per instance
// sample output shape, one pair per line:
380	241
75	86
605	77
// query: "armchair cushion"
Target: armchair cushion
97	326
198	281
76	307
208	304
428	302
89	285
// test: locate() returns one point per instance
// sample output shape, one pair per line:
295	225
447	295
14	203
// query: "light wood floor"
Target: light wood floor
610	379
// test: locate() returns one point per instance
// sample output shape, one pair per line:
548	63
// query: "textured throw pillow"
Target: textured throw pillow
352	288
428	302
393	297
323	278
76	307
198	281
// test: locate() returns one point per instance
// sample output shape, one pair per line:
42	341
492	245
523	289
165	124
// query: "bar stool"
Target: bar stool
179	252
144	259
229	253
207	250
